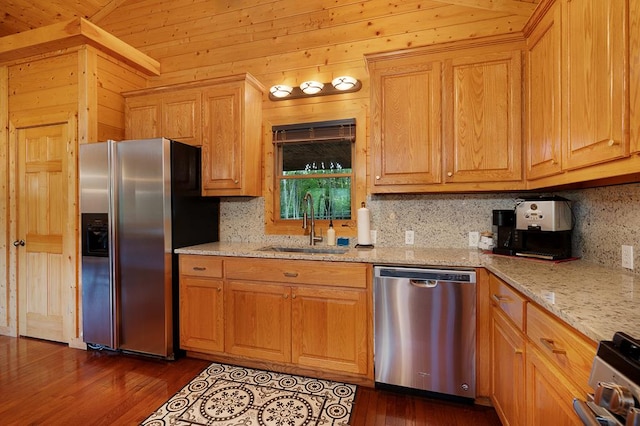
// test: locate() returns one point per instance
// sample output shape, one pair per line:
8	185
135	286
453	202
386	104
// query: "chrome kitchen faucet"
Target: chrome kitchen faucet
308	200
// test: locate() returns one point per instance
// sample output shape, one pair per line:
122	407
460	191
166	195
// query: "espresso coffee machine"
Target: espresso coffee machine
543	228
539	227
503	229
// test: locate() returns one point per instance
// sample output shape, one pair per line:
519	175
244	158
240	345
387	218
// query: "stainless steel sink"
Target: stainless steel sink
310	249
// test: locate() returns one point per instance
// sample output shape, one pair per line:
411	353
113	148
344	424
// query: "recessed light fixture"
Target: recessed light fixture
344	82
281	90
311	87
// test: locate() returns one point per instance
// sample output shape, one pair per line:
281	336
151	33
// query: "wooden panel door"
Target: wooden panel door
594	82
182	117
222	148
330	329
406	125
544	97
258	320
201	314
143	119
482	118
507	370
549	394
43	205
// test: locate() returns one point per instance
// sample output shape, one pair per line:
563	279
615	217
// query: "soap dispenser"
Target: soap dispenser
331	234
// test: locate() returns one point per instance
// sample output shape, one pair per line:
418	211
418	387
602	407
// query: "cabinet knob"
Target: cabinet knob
219	288
236	181
518	351
286	296
293	296
377	177
611	142
449	174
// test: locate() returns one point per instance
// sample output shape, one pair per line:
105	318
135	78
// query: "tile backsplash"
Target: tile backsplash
606	218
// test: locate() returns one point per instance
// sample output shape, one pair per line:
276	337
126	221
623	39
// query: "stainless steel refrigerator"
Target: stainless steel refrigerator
139	200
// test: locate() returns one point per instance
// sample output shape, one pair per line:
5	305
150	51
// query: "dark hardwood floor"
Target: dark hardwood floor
44	383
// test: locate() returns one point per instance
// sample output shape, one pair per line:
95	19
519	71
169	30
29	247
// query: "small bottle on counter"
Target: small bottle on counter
331	234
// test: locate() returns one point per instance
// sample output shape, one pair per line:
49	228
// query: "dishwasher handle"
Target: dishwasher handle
424	283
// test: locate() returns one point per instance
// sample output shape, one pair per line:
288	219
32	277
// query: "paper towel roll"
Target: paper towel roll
364	226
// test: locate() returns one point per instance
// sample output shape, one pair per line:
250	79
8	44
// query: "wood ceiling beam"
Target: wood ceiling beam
521	8
107	9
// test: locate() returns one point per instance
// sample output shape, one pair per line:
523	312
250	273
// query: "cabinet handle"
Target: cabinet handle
286	296
501	299
449	174
236	181
291	274
293	296
377	177
518	351
219	289
199	268
550	345
611	142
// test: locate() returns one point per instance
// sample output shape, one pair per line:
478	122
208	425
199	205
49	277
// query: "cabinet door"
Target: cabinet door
258	321
594	82
507	370
330	329
406	131
222	139
549	395
544	108
482	118
143	118
201	314
181	117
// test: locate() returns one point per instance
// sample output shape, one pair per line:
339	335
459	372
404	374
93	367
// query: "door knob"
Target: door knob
17	243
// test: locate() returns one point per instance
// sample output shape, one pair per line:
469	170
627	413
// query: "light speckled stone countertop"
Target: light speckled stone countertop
595	300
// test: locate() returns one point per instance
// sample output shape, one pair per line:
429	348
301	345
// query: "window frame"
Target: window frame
290	115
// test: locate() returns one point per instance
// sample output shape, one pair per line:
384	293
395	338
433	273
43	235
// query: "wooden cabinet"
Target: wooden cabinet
172	115
578	92
283	310
223	115
406	147
544	96
482	118
594	43
293	313
447	119
232	140
507	352
201	304
538	363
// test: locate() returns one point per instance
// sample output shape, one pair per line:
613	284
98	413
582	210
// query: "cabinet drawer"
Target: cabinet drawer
201	266
564	347
507	300
336	274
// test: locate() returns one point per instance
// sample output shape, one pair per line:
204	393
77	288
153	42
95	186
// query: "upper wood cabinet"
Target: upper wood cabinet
232	138
543	96
406	99
447	118
595	39
578	92
172	115
482	118
223	115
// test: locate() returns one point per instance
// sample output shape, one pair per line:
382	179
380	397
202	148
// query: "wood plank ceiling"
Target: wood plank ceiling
22	15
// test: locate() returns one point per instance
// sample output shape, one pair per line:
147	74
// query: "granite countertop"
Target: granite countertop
595	300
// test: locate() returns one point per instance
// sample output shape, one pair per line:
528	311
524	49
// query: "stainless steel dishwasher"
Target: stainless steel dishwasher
425	329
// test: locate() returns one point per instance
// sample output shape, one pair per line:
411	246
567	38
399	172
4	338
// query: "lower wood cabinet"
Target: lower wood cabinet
507	370
539	364
313	315
201	302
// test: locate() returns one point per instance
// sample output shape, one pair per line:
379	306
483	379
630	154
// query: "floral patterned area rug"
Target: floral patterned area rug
236	396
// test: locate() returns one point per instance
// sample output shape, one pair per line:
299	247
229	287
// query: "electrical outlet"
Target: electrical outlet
408	237
474	239
374	236
627	257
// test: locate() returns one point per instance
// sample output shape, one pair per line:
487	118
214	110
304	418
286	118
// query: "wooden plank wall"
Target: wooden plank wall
290	41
